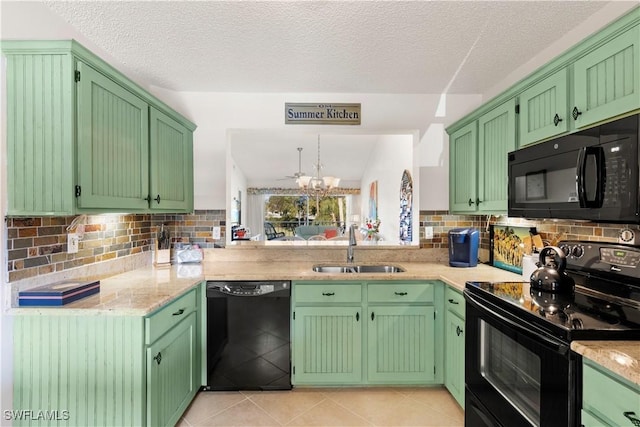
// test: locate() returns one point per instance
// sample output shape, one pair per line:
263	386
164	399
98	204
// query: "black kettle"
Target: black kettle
550	275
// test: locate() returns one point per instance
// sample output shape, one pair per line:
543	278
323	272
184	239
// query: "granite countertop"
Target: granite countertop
143	290
620	357
134	293
302	270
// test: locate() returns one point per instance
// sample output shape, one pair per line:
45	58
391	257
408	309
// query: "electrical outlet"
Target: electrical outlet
72	243
428	232
216	233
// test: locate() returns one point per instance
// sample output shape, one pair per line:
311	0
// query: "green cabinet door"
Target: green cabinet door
172	374
171	149
607	80
590	420
543	109
40	133
454	356
609	397
327	345
113	145
401	344
463	152
496	138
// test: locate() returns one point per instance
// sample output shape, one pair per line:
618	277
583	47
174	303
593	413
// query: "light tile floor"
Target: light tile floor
326	407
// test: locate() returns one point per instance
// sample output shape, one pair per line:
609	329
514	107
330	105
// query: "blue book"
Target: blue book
58	294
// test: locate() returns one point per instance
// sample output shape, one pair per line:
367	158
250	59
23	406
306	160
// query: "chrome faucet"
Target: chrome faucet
352	243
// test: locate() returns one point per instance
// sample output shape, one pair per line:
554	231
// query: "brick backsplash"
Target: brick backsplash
37	246
442	222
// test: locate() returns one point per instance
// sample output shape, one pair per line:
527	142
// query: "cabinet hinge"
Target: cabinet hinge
77	75
294	315
78	190
434	370
517	108
434	315
294	370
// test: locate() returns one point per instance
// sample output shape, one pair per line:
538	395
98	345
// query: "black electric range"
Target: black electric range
519	368
605	303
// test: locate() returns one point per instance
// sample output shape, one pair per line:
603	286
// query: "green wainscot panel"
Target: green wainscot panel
88	368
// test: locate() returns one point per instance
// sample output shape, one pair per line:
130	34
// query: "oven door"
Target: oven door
515	375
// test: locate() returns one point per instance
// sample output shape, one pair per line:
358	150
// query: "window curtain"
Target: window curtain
255	215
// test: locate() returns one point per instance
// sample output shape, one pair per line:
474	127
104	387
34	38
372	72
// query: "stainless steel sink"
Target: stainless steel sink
357	269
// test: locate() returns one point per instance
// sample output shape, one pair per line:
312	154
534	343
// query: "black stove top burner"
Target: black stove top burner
603	304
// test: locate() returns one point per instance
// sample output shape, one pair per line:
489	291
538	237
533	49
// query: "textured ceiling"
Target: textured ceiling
323	46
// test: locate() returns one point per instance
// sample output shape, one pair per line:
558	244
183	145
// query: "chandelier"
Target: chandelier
318	185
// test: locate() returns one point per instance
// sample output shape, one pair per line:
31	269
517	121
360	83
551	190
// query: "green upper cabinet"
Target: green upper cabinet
171	164
40	155
543	109
496	138
463	156
595	81
478	162
113	144
83	138
607	80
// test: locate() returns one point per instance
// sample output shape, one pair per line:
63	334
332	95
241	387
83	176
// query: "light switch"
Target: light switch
428	232
216	233
72	243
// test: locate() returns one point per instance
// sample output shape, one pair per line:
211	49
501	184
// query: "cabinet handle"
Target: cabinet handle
373	316
148	198
157	199
179	312
401	293
328	294
458	330
158	358
632	417
357	316
556	119
453	302
575	113
470	202
478	201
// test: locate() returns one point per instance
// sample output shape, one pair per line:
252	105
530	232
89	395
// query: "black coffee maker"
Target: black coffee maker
550	275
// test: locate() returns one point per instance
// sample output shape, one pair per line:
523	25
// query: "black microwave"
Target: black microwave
588	175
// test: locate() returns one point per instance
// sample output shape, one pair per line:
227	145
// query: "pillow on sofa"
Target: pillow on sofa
330	232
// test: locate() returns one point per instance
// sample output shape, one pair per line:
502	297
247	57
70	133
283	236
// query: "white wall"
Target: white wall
215	113
386	165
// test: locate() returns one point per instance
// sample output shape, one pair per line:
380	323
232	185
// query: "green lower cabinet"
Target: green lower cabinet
608	399
172	377
327	345
454	356
107	369
400	343
359	333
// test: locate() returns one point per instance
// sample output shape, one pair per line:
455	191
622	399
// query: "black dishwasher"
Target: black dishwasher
248	335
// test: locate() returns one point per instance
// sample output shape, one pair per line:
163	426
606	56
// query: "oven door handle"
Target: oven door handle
558	346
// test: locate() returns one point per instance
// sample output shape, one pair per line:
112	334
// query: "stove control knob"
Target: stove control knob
577	251
566	249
